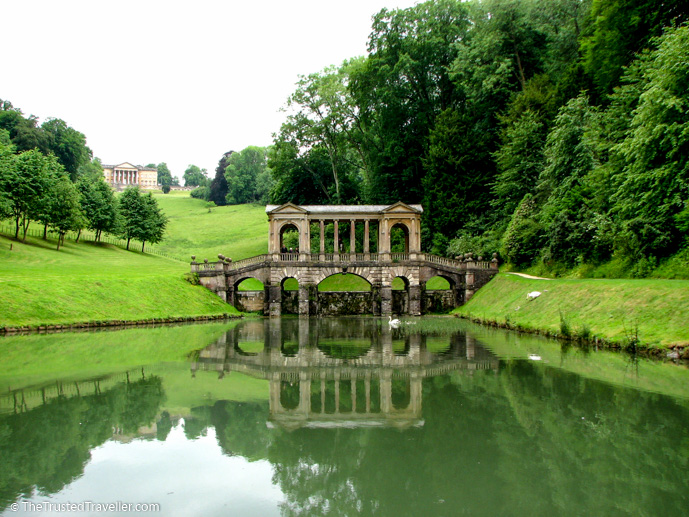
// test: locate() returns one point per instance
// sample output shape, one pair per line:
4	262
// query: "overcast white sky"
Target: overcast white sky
168	81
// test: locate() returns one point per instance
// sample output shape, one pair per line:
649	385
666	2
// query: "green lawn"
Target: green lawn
238	231
658	310
89	282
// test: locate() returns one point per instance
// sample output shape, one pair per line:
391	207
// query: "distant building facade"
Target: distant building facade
125	174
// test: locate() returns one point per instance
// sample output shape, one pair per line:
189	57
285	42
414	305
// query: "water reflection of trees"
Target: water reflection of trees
531	440
48	446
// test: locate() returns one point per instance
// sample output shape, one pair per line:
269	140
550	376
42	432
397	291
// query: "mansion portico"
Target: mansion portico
126	174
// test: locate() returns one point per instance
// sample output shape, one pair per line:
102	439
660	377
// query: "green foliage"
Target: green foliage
68	145
194	176
164	176
245	175
200	193
141	218
522	239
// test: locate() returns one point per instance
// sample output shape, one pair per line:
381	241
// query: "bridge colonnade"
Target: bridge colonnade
380	268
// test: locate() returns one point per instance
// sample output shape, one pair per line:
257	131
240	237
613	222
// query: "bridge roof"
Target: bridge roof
349	209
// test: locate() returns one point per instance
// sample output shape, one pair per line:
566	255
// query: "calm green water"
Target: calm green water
338	417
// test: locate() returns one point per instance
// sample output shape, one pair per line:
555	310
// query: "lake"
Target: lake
337	416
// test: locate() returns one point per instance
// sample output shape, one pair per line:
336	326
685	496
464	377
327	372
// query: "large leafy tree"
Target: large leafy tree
242	173
653	196
164	176
68	144
617	30
195	177
63	210
25	182
98	204
217	191
400	90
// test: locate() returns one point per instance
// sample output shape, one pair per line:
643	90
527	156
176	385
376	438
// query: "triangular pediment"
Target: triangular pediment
400	207
125	165
287	208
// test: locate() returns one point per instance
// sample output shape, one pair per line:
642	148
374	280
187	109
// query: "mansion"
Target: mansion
125	174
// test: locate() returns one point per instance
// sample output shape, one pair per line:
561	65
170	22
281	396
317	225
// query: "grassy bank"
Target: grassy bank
87	282
652	312
239	231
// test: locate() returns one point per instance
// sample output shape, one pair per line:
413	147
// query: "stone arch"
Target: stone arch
395	226
450	280
286	226
238	280
326	272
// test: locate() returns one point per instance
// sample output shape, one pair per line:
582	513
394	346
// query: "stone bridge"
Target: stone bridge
311	230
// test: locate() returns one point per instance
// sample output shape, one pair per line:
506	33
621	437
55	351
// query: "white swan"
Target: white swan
394	323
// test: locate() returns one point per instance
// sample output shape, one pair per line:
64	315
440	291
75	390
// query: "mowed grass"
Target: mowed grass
238	231
654	311
87	282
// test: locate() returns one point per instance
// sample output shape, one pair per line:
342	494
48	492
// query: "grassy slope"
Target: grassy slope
611	309
87	282
238	232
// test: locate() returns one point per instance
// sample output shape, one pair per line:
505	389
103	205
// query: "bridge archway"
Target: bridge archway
399	238
289	238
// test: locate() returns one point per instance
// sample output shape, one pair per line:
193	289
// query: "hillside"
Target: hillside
650	312
88	282
238	231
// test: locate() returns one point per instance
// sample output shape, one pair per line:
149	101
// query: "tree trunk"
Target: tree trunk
142	246
128	239
59	238
25	224
78	235
16	232
45	232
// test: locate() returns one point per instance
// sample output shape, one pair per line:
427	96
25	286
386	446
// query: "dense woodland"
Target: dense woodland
555	132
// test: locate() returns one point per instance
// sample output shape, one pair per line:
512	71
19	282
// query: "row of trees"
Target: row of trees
37	187
549	130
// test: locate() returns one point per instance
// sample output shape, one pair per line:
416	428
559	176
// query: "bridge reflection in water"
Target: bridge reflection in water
345	372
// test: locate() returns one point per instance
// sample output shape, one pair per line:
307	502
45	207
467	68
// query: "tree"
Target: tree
68	145
164	176
218	187
98	204
24	183
133	214
401	88
155	222
654	182
141	217
194	176
241	174
63	209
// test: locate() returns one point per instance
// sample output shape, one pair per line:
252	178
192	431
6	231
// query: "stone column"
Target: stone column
415	300
352	238
230	295
367	248
303	300
336	243
375	300
385	300
321	257
274	299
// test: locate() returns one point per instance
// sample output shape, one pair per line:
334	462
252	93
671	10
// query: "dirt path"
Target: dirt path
530	276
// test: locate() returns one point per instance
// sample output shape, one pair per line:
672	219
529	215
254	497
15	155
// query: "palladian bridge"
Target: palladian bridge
381	244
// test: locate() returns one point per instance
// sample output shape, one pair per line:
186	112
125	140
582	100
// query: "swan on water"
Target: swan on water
394	323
